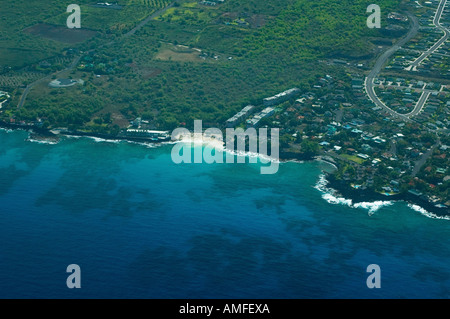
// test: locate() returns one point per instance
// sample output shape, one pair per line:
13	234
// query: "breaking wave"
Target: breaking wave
43	141
103	140
147	145
426	213
333	197
7	130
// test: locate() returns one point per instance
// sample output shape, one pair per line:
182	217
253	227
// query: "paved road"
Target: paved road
24	95
437	45
369	83
150	17
393	149
420	104
74	63
424	159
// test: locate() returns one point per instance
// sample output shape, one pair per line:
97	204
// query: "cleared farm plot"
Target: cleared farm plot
178	53
60	33
19	79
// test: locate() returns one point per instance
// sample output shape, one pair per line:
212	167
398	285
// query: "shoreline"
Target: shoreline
361	196
340	187
48	135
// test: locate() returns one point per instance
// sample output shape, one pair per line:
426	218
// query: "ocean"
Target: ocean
140	226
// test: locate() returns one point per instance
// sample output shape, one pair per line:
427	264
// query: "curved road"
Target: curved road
369	83
437	45
420	104
30	86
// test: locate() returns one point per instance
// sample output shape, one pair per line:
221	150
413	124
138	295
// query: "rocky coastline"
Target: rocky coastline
367	195
342	187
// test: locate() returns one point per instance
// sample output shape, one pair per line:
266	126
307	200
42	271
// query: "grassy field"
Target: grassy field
60	33
353	158
177	53
189	14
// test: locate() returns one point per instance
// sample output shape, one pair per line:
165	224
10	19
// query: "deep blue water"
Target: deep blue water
140	226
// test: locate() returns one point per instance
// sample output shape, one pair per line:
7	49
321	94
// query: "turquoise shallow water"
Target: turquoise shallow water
140	226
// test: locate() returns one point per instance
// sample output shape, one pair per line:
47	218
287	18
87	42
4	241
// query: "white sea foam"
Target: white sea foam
264	158
147	145
332	197
7	130
426	213
73	136
373	206
220	146
202	140
294	161
321	185
103	140
168	143
49	142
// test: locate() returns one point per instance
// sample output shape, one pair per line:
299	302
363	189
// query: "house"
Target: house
137	122
363	156
376	161
208	3
366	147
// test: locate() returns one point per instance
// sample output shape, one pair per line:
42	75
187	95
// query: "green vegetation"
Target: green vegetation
112	20
237	65
19	48
353	158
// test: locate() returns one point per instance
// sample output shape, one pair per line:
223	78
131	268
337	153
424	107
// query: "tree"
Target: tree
310	148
